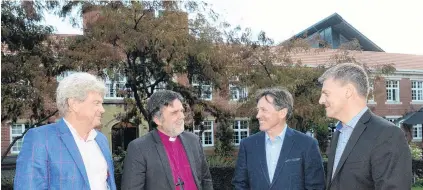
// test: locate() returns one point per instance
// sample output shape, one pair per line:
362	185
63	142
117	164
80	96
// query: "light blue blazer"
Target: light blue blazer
50	159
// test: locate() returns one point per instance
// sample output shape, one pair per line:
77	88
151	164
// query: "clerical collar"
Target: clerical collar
164	136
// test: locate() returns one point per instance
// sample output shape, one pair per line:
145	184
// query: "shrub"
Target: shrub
222	177
221	161
416	152
7	179
322	133
418	182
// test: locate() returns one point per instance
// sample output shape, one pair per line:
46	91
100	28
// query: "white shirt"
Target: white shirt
94	161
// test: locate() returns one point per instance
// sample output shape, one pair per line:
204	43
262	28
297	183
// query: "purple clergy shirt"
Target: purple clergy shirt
178	161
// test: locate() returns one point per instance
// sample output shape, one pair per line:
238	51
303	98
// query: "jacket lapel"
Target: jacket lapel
190	156
261	147
358	130
69	141
106	153
288	142
164	159
331	158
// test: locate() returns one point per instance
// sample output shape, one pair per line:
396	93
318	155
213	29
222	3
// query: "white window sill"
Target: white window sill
393	102
208	145
371	102
416	101
417	139
113	98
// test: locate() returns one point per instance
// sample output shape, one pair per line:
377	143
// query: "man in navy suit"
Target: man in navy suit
278	157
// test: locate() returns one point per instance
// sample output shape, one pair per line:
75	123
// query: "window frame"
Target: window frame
395	91
205	86
23	127
371	92
416	90
418	129
392	118
239	130
203	136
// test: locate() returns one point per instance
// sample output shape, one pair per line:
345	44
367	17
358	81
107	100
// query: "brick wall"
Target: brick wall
405	106
5	136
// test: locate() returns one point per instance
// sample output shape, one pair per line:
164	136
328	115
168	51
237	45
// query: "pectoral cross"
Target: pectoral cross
180	183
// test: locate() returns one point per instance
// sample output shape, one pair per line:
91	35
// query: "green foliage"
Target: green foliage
28	70
7	177
221	161
151	50
118	160
224	135
28	62
254	126
416	151
322	133
156	51
418	182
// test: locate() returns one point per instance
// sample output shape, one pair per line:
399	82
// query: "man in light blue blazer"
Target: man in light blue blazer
70	154
278	157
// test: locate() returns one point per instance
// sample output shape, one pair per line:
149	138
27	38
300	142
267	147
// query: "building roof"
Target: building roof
339	24
316	57
414	118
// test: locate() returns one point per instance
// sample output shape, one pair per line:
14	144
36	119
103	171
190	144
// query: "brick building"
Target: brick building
392	96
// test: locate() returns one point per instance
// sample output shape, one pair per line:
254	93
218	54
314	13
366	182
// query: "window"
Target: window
325	37
392	91
237	93
417	90
417	131
394	120
114	86
241	131
207	137
160	86
16	130
204	88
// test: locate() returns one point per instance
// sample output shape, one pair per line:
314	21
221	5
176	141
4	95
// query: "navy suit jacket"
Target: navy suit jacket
299	166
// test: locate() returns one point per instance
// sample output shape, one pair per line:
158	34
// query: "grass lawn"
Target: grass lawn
417	188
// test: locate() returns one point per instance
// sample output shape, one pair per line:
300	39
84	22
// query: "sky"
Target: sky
396	26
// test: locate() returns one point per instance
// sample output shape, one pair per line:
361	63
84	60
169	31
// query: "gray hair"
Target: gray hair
77	85
349	73
161	99
282	98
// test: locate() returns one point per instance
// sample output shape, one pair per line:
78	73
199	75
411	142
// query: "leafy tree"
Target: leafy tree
265	64
155	45
28	64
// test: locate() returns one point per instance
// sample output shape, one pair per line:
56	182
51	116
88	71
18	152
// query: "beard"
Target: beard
175	130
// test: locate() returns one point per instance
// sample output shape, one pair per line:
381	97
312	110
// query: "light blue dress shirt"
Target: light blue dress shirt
344	136
273	150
